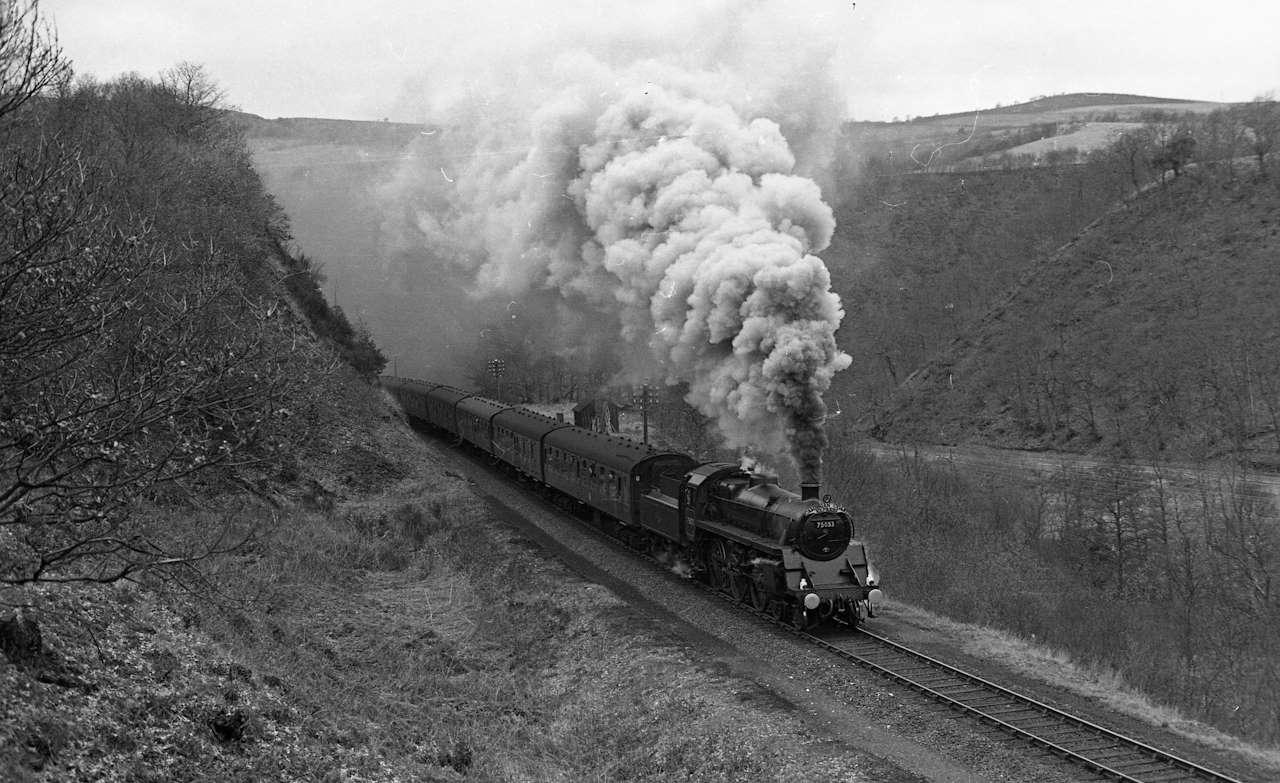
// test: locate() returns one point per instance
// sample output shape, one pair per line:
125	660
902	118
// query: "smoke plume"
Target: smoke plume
665	197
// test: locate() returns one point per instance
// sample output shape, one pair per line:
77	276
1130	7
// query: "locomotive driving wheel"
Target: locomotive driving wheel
777	610
718	565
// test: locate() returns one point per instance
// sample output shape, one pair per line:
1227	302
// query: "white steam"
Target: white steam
662	198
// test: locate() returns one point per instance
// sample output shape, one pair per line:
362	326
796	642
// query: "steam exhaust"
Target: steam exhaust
667	205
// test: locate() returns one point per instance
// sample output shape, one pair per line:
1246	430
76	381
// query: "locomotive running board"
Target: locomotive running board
740	536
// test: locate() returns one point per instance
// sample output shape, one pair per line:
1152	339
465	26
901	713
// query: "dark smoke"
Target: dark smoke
662	198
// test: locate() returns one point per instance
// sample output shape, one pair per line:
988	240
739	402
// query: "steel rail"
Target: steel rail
1135	752
1119	750
1119	758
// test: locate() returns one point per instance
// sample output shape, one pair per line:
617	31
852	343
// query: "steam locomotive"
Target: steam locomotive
793	556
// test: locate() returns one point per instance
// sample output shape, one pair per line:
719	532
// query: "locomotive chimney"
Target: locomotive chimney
811	479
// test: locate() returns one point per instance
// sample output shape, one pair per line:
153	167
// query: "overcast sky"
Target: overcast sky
893	58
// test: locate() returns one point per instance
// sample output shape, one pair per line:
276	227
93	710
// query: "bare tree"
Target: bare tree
198	98
132	353
1175	152
1262	119
31	61
1132	148
191	85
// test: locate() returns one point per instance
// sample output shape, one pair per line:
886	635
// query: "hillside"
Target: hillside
994	137
1153	332
917	257
289	131
1080	104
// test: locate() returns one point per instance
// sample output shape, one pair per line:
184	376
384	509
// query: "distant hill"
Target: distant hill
998	136
316	130
1075	101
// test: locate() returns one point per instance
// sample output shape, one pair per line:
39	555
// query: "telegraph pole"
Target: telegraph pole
645	397
497	368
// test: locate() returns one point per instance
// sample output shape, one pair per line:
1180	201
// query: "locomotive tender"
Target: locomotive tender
790	555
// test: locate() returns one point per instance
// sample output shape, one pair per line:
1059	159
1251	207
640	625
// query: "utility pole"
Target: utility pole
497	368
645	397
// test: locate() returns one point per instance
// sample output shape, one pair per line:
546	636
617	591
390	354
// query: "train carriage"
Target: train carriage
607	473
474	418
518	435
442	407
410	394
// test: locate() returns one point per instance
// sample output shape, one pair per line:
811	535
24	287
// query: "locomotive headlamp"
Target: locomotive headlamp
875	595
811	601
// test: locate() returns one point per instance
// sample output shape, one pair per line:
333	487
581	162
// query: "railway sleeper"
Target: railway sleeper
1168	777
1136	767
1044	721
1063	728
1075	746
977	700
1001	706
1116	753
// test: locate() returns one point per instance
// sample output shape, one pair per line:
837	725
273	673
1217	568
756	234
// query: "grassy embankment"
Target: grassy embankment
381	627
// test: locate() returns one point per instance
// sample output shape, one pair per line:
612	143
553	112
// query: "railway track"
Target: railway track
1107	753
1110	755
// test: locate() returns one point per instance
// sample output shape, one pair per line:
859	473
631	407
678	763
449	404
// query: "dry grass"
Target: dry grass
396	634
1057	667
1091	136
